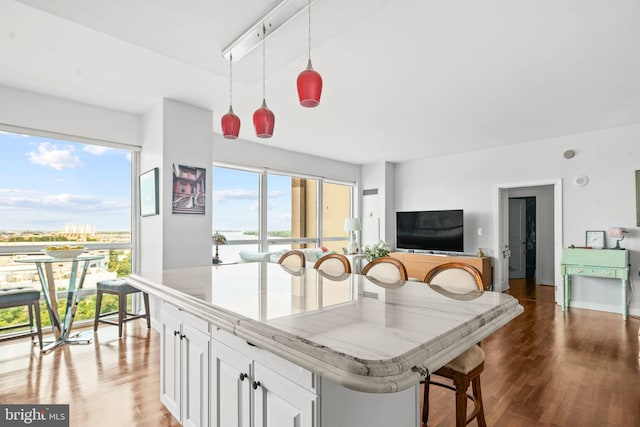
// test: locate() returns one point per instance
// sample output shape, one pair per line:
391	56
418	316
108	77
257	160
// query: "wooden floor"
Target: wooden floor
542	369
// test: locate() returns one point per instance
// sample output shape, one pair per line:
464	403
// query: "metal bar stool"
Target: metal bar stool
121	288
16	297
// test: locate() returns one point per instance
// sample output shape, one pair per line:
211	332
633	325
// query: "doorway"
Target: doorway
518	255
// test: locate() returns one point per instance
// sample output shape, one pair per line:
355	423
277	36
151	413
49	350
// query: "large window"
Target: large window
61	192
274	211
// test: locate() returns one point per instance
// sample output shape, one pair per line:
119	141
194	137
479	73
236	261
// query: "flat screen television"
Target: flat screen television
430	230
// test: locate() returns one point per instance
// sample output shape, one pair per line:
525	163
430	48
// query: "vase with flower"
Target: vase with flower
376	250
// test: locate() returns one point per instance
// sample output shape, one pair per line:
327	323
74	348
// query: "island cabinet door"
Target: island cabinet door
170	384
279	402
195	377
230	387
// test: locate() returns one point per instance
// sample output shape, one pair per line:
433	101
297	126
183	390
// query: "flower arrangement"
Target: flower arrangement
377	250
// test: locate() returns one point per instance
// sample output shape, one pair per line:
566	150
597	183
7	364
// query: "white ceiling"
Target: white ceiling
403	79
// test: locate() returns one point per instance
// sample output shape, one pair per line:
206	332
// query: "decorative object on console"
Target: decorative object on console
263	118
309	81
218	239
594	239
230	122
617	233
377	250
352	225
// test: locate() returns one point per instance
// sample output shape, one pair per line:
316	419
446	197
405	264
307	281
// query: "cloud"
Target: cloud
96	150
237	194
53	156
71	204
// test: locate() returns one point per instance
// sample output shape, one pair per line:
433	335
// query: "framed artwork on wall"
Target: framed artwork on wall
638	198
149	203
189	192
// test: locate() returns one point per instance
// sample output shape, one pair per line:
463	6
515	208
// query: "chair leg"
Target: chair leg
36	309
122	310
425	400
477	392
30	309
98	305
146	309
461	383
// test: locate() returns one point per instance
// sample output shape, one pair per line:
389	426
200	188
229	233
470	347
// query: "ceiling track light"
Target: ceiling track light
274	18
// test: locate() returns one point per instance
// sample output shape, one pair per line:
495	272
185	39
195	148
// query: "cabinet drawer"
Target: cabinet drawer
593	272
289	370
167	309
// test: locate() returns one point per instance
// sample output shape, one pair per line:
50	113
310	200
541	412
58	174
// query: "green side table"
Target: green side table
605	263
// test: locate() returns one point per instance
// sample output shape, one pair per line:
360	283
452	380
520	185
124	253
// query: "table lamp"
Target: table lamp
218	239
352	225
617	232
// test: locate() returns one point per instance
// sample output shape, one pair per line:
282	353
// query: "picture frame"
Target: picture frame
189	190
638	198
149	200
594	239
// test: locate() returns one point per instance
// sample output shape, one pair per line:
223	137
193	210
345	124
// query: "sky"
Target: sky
46	184
235	205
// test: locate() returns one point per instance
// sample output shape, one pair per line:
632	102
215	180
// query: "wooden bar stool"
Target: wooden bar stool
17	297
121	288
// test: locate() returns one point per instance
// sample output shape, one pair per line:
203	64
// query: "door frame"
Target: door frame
501	192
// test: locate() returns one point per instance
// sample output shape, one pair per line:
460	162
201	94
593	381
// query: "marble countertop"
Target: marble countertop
351	330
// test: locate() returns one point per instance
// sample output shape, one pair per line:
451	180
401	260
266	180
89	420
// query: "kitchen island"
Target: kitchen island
255	341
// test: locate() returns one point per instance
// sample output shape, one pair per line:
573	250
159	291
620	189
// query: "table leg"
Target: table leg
50	297
565	292
624	299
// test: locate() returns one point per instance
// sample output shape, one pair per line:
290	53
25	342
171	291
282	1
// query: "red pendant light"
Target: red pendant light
263	118
309	80
230	122
263	121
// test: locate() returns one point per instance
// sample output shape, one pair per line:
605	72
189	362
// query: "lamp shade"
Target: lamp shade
616	232
309	87
352	224
264	121
230	124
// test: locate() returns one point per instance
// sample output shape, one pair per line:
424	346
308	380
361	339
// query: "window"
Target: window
62	192
274	211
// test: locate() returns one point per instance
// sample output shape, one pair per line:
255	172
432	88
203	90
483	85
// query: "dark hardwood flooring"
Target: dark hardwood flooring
544	368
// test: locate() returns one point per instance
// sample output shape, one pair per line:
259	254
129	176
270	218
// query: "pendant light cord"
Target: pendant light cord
230	78
264	38
309	30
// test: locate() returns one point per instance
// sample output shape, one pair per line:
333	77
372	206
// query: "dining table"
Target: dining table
61	324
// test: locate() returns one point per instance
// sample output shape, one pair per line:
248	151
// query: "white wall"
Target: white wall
37	112
268	155
468	181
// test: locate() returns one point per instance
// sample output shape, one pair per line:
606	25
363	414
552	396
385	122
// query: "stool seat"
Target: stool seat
16	297
121	288
116	285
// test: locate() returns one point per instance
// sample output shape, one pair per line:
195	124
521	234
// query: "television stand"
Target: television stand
419	264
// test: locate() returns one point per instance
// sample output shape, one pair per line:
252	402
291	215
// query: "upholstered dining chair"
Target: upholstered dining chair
459	279
386	270
333	264
293	260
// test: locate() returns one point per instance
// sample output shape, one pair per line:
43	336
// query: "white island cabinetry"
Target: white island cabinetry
184	364
248	383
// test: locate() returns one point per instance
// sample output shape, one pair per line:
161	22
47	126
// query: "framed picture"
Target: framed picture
638	198
595	239
149	201
189	192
